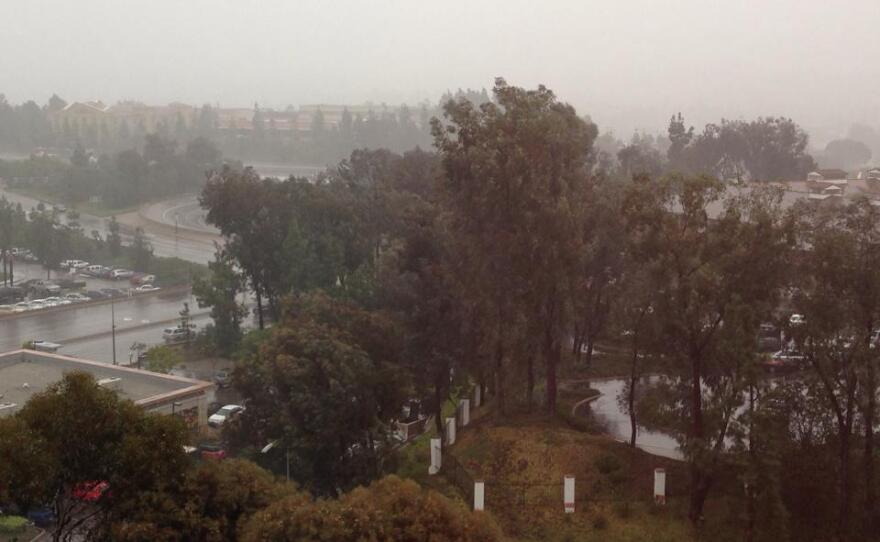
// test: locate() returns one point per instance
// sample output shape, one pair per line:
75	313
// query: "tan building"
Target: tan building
26	372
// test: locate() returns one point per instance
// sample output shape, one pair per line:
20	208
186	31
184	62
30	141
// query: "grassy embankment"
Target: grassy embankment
86	207
524	457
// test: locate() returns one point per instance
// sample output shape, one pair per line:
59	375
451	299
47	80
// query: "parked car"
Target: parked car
23	254
147	288
118	274
42	516
112	292
796	319
75	297
95	294
224	415
90	491
212	452
142	278
57	301
95	270
176	334
73	264
21	307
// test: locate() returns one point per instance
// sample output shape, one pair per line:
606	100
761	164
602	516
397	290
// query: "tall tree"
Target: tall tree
720	261
133	452
514	171
840	298
325	386
220	291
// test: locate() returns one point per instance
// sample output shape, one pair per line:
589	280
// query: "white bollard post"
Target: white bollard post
568	493
477	397
479	495
464	406
450	431
660	486
436	457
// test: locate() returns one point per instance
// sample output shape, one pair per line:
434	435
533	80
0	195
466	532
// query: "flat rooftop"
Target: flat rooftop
24	373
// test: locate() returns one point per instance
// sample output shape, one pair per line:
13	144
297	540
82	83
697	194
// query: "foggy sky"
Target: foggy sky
628	63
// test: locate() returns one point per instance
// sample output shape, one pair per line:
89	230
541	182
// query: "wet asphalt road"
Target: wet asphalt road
85	331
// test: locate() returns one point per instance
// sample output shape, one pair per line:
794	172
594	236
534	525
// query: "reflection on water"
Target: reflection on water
607	410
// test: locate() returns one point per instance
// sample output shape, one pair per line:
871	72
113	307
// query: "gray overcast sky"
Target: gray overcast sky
628	63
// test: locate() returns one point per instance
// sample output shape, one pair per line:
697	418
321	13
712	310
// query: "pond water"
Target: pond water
608	411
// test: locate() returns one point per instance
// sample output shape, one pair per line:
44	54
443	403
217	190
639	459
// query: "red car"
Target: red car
90	491
212	452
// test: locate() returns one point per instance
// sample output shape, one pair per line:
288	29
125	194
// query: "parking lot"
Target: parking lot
64	288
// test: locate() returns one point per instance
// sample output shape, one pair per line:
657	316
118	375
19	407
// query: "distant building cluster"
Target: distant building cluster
102	121
832	185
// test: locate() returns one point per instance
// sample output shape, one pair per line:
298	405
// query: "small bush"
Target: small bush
623	510
600	522
617	478
12	524
607	463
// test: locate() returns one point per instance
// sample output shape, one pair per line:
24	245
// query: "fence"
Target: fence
458	476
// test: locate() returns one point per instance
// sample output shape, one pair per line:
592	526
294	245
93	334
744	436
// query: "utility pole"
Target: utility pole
113	328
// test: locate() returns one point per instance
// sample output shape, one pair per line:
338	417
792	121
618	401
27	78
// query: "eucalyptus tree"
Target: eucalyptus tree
839	296
514	171
719	258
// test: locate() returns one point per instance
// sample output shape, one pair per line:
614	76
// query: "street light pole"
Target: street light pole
113	328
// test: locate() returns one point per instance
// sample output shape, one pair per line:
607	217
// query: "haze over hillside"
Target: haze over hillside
627	64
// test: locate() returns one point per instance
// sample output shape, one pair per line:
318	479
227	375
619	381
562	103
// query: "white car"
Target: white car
36	304
74	264
21	307
224	415
94	270
76	297
796	319
147	288
56	301
121	274
176	334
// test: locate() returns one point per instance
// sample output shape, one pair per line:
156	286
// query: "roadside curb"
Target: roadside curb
182	232
136	327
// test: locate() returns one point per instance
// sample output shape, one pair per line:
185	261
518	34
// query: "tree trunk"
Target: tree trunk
631	399
554	355
439	392
499	377
11	271
749	490
259	306
699	478
590	344
843	512
701	482
530	391
870	496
